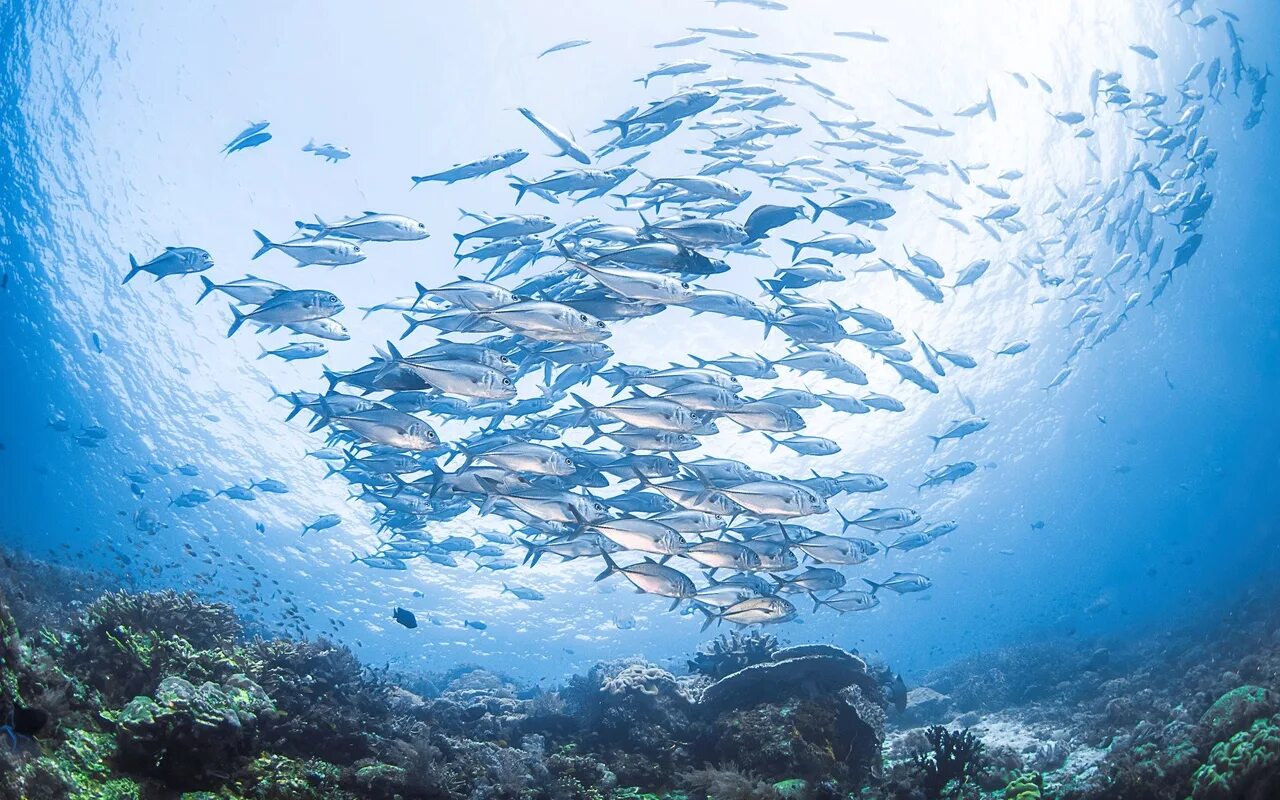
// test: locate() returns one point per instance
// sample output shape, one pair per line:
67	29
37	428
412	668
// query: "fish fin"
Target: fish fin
265	352
209	286
134	269
413	325
521	186
773	443
817	209
937	440
267	244
795	246
875	587
237	320
711	617
610	567
322	231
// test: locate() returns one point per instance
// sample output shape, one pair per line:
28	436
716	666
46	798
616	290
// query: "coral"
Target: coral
1236	709
125	643
331	708
1028	786
189	735
954	756
1246	766
726	782
640	678
727	654
1153	769
275	777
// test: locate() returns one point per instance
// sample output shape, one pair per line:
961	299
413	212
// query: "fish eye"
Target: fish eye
599	324
506	381
583	317
684	285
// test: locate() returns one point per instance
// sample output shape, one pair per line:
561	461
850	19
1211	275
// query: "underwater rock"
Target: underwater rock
812	711
807	671
186	734
925	705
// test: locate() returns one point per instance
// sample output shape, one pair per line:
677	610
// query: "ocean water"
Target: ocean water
1138	494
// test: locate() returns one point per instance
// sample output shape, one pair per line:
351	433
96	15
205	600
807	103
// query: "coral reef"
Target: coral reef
136	695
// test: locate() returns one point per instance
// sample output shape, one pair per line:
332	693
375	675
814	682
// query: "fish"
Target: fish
308	252
331	153
173	261
252	136
405	618
901	583
474	169
958	429
567	146
562	46
323	522
292	306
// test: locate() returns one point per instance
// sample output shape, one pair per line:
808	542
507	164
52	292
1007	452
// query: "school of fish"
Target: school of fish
572	453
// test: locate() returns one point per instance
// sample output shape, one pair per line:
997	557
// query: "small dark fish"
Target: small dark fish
405	617
473	623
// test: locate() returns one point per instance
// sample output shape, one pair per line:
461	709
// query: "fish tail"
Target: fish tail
322	231
534	552
209	286
266	243
817	209
620	124
333	378
413	325
937	440
587	407
521	186
134	269
796	247
711	617
875	587
307	148
417	179
773	443
265	352
610	567
885	548
236	321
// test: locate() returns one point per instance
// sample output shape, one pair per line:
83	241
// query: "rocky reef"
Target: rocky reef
163	695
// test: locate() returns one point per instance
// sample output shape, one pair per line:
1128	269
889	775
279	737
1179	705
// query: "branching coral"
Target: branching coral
727	654
954	756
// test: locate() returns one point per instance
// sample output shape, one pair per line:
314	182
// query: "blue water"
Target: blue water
113	116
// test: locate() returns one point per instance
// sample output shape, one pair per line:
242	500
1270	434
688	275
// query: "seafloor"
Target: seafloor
112	695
